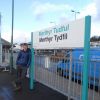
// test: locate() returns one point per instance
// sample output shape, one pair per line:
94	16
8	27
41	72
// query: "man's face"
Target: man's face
21	47
25	47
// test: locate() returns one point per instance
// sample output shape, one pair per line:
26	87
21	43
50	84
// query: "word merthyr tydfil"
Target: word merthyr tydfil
57	38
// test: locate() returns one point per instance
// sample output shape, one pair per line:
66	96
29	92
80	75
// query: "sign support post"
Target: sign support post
31	70
86	57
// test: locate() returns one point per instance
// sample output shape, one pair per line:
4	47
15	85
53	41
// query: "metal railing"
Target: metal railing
5	56
65	75
5	64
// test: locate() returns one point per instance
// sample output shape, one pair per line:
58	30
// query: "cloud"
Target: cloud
90	9
6	36
19	36
40	9
63	20
97	4
95	29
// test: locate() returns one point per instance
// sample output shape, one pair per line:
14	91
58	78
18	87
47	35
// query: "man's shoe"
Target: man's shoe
14	84
18	88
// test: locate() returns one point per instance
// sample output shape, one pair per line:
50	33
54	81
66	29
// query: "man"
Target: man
23	62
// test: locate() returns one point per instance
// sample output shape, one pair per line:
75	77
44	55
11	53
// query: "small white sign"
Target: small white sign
69	35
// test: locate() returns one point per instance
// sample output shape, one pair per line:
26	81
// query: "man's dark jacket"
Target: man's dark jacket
24	58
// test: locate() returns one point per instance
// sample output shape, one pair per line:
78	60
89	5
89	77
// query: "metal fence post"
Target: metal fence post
86	57
31	70
70	76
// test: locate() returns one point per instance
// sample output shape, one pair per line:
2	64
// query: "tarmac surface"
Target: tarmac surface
40	92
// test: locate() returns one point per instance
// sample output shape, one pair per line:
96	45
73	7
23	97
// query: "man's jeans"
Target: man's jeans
21	74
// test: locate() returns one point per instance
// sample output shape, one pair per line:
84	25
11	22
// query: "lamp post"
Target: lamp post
75	12
12	36
0	42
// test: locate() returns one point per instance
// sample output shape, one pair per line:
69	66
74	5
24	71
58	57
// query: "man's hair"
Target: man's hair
23	44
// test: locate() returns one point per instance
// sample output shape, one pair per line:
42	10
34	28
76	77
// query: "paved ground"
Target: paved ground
40	91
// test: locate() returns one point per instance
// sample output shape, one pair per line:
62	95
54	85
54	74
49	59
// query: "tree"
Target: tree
95	39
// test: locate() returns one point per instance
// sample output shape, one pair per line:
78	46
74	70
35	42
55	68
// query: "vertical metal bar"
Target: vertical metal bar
53	77
46	75
99	82
86	57
90	72
94	79
54	64
56	81
36	66
44	69
67	72
77	78
40	69
32	64
63	76
56	57
74	78
70	76
58	72
39	66
89	78
42	66
81	79
11	59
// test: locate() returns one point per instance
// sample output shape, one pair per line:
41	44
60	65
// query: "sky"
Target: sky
34	15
